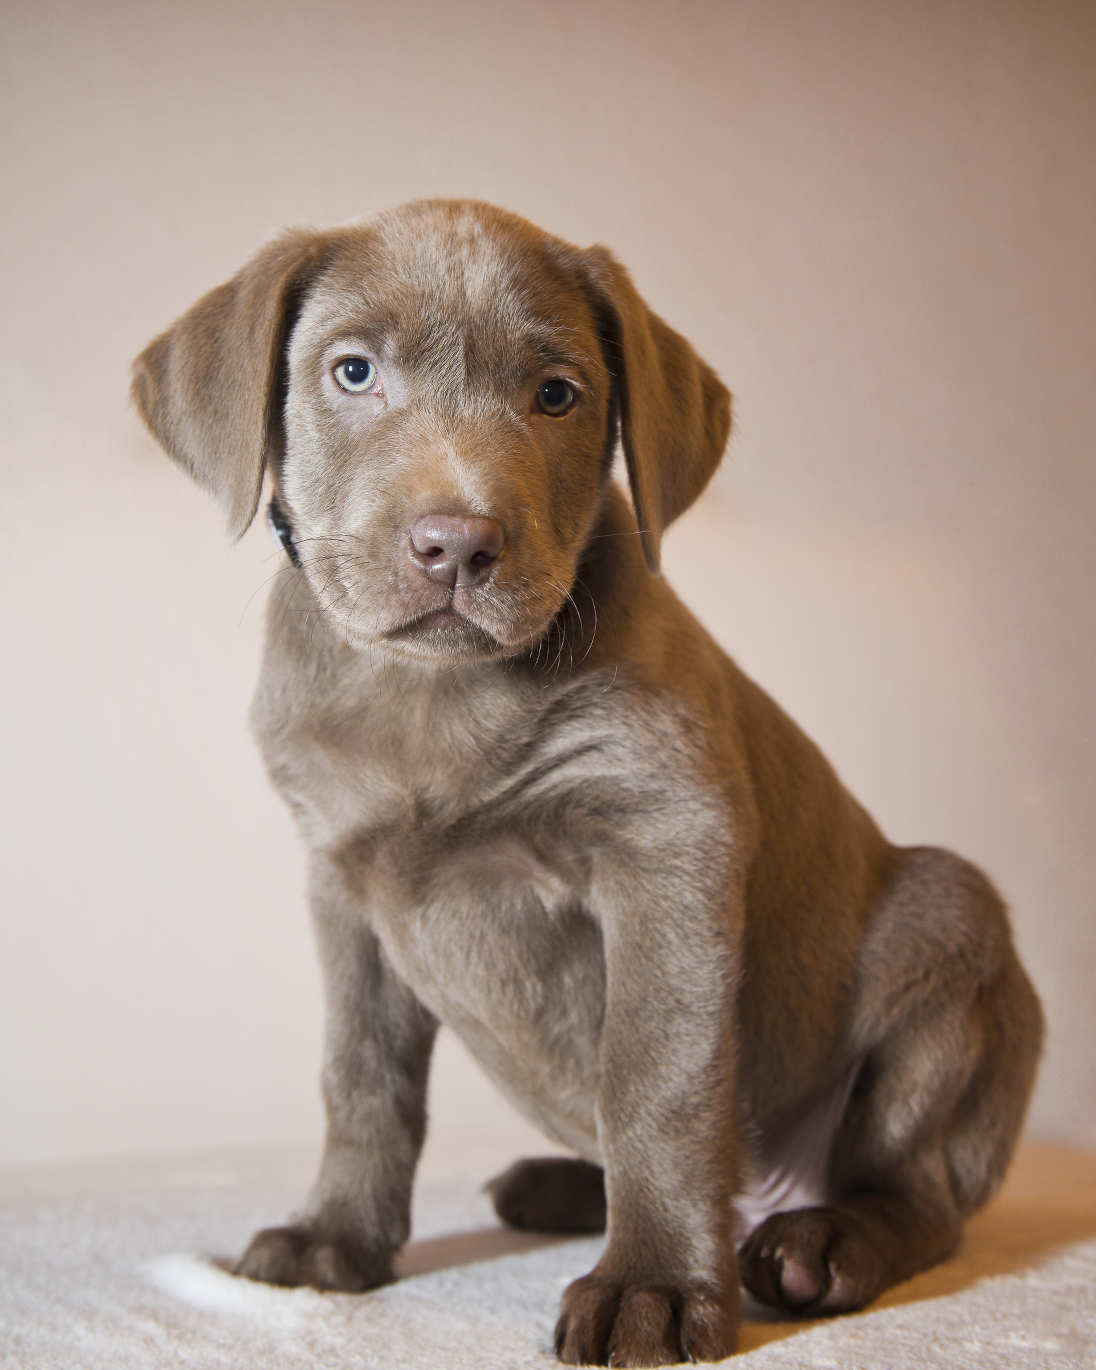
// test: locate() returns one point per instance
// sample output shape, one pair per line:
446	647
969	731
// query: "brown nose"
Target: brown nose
456	549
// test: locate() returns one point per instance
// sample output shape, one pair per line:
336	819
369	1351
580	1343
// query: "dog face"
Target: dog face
446	423
436	394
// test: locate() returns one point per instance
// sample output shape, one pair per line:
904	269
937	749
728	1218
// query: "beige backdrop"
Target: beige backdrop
876	220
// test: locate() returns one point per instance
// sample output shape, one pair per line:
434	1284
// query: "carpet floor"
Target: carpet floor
122	1267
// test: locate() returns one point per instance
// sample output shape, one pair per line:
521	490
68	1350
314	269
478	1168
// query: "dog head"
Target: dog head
436	395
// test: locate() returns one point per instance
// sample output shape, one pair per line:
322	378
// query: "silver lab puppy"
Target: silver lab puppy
542	806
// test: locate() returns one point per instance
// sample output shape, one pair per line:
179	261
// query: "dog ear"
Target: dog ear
210	387
675	412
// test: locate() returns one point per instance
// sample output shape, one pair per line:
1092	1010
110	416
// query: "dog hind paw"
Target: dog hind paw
811	1261
550	1194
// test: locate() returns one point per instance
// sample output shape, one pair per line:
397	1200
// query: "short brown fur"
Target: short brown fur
544	807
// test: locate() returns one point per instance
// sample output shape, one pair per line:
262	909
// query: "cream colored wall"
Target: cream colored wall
875	219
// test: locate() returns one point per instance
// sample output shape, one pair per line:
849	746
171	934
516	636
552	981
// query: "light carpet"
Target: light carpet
120	1267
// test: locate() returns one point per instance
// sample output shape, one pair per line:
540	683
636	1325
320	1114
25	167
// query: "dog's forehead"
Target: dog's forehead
435	270
466	248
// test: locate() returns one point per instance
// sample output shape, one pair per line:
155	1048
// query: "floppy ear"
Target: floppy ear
675	412
209	388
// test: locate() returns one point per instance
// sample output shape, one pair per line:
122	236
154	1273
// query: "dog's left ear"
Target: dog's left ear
675	412
209	388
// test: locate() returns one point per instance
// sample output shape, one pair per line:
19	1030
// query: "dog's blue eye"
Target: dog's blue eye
556	396
356	374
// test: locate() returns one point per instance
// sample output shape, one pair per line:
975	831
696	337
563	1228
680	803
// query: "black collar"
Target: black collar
282	529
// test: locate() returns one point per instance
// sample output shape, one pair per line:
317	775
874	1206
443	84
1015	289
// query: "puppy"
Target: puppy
542	806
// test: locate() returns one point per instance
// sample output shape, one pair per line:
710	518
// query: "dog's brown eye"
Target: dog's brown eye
355	374
555	397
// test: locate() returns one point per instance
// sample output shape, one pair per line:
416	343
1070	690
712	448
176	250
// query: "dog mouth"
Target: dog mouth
435	624
444	632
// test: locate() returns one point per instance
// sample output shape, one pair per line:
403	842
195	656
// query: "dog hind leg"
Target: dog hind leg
952	1030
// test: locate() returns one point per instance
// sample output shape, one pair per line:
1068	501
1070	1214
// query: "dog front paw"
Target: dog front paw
304	1255
606	1321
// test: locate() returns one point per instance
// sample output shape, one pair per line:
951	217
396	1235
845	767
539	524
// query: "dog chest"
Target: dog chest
468	830
486	923
493	938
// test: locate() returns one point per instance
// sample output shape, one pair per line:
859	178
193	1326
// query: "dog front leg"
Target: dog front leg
666	1287
376	1060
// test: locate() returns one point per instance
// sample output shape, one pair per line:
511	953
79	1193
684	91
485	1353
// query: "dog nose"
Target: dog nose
456	549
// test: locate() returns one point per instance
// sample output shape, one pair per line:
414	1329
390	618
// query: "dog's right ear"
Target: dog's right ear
209	388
